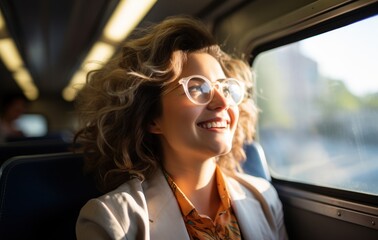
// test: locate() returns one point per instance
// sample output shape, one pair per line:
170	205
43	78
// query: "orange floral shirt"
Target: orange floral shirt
201	227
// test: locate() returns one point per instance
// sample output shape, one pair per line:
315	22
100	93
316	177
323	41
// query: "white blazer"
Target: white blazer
149	210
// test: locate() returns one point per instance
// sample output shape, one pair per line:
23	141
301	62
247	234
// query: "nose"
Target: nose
219	101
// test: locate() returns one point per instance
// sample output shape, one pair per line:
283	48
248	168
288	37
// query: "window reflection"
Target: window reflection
319	102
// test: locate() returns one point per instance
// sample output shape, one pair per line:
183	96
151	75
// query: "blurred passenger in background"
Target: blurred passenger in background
12	107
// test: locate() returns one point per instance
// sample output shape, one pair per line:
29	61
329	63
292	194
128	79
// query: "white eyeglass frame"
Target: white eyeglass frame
219	83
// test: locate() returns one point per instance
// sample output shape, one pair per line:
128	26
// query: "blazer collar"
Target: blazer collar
166	221
164	213
251	219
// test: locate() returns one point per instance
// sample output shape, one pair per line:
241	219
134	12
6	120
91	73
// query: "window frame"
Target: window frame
319	28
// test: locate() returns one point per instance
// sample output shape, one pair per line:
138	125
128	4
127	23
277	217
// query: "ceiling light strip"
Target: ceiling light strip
125	18
14	63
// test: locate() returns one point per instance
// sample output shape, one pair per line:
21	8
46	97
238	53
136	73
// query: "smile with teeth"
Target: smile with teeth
214	124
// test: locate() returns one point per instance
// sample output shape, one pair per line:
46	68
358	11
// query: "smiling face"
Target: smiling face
196	132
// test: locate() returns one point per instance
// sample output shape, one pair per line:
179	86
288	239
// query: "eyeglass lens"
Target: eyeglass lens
200	90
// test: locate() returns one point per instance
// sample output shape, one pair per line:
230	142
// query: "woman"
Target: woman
163	127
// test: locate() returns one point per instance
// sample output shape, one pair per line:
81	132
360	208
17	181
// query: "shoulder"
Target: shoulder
129	193
125	196
262	185
257	185
111	214
262	190
255	188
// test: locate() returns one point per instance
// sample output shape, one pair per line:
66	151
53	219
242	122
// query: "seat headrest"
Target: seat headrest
256	163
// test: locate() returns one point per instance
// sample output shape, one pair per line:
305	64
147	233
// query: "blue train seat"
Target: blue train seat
256	164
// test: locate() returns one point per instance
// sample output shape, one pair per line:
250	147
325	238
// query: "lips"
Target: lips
220	124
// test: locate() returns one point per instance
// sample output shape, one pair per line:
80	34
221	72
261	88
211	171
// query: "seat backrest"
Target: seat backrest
11	149
41	196
256	164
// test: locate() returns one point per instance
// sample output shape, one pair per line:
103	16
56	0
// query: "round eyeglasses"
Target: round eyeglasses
200	90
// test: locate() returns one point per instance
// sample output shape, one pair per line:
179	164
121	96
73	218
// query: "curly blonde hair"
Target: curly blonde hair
120	100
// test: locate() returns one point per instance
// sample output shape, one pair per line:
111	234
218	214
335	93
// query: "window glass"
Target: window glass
319	108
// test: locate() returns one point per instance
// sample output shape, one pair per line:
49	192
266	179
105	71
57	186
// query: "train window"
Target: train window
319	108
32	125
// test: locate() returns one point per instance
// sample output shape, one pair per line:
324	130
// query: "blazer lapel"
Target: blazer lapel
165	217
248	211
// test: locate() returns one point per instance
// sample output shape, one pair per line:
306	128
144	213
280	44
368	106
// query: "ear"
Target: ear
154	127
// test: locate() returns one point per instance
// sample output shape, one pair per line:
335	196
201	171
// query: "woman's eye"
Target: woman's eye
226	91
193	89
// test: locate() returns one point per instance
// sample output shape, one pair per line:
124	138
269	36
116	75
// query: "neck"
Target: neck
193	177
198	183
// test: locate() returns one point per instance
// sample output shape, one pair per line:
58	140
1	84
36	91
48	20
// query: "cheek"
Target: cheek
234	114
179	112
182	115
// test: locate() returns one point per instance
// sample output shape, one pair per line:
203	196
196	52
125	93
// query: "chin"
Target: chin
222	150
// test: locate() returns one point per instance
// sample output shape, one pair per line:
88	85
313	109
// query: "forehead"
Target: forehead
202	64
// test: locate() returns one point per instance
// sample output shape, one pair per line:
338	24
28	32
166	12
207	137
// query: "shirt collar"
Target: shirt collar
186	206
